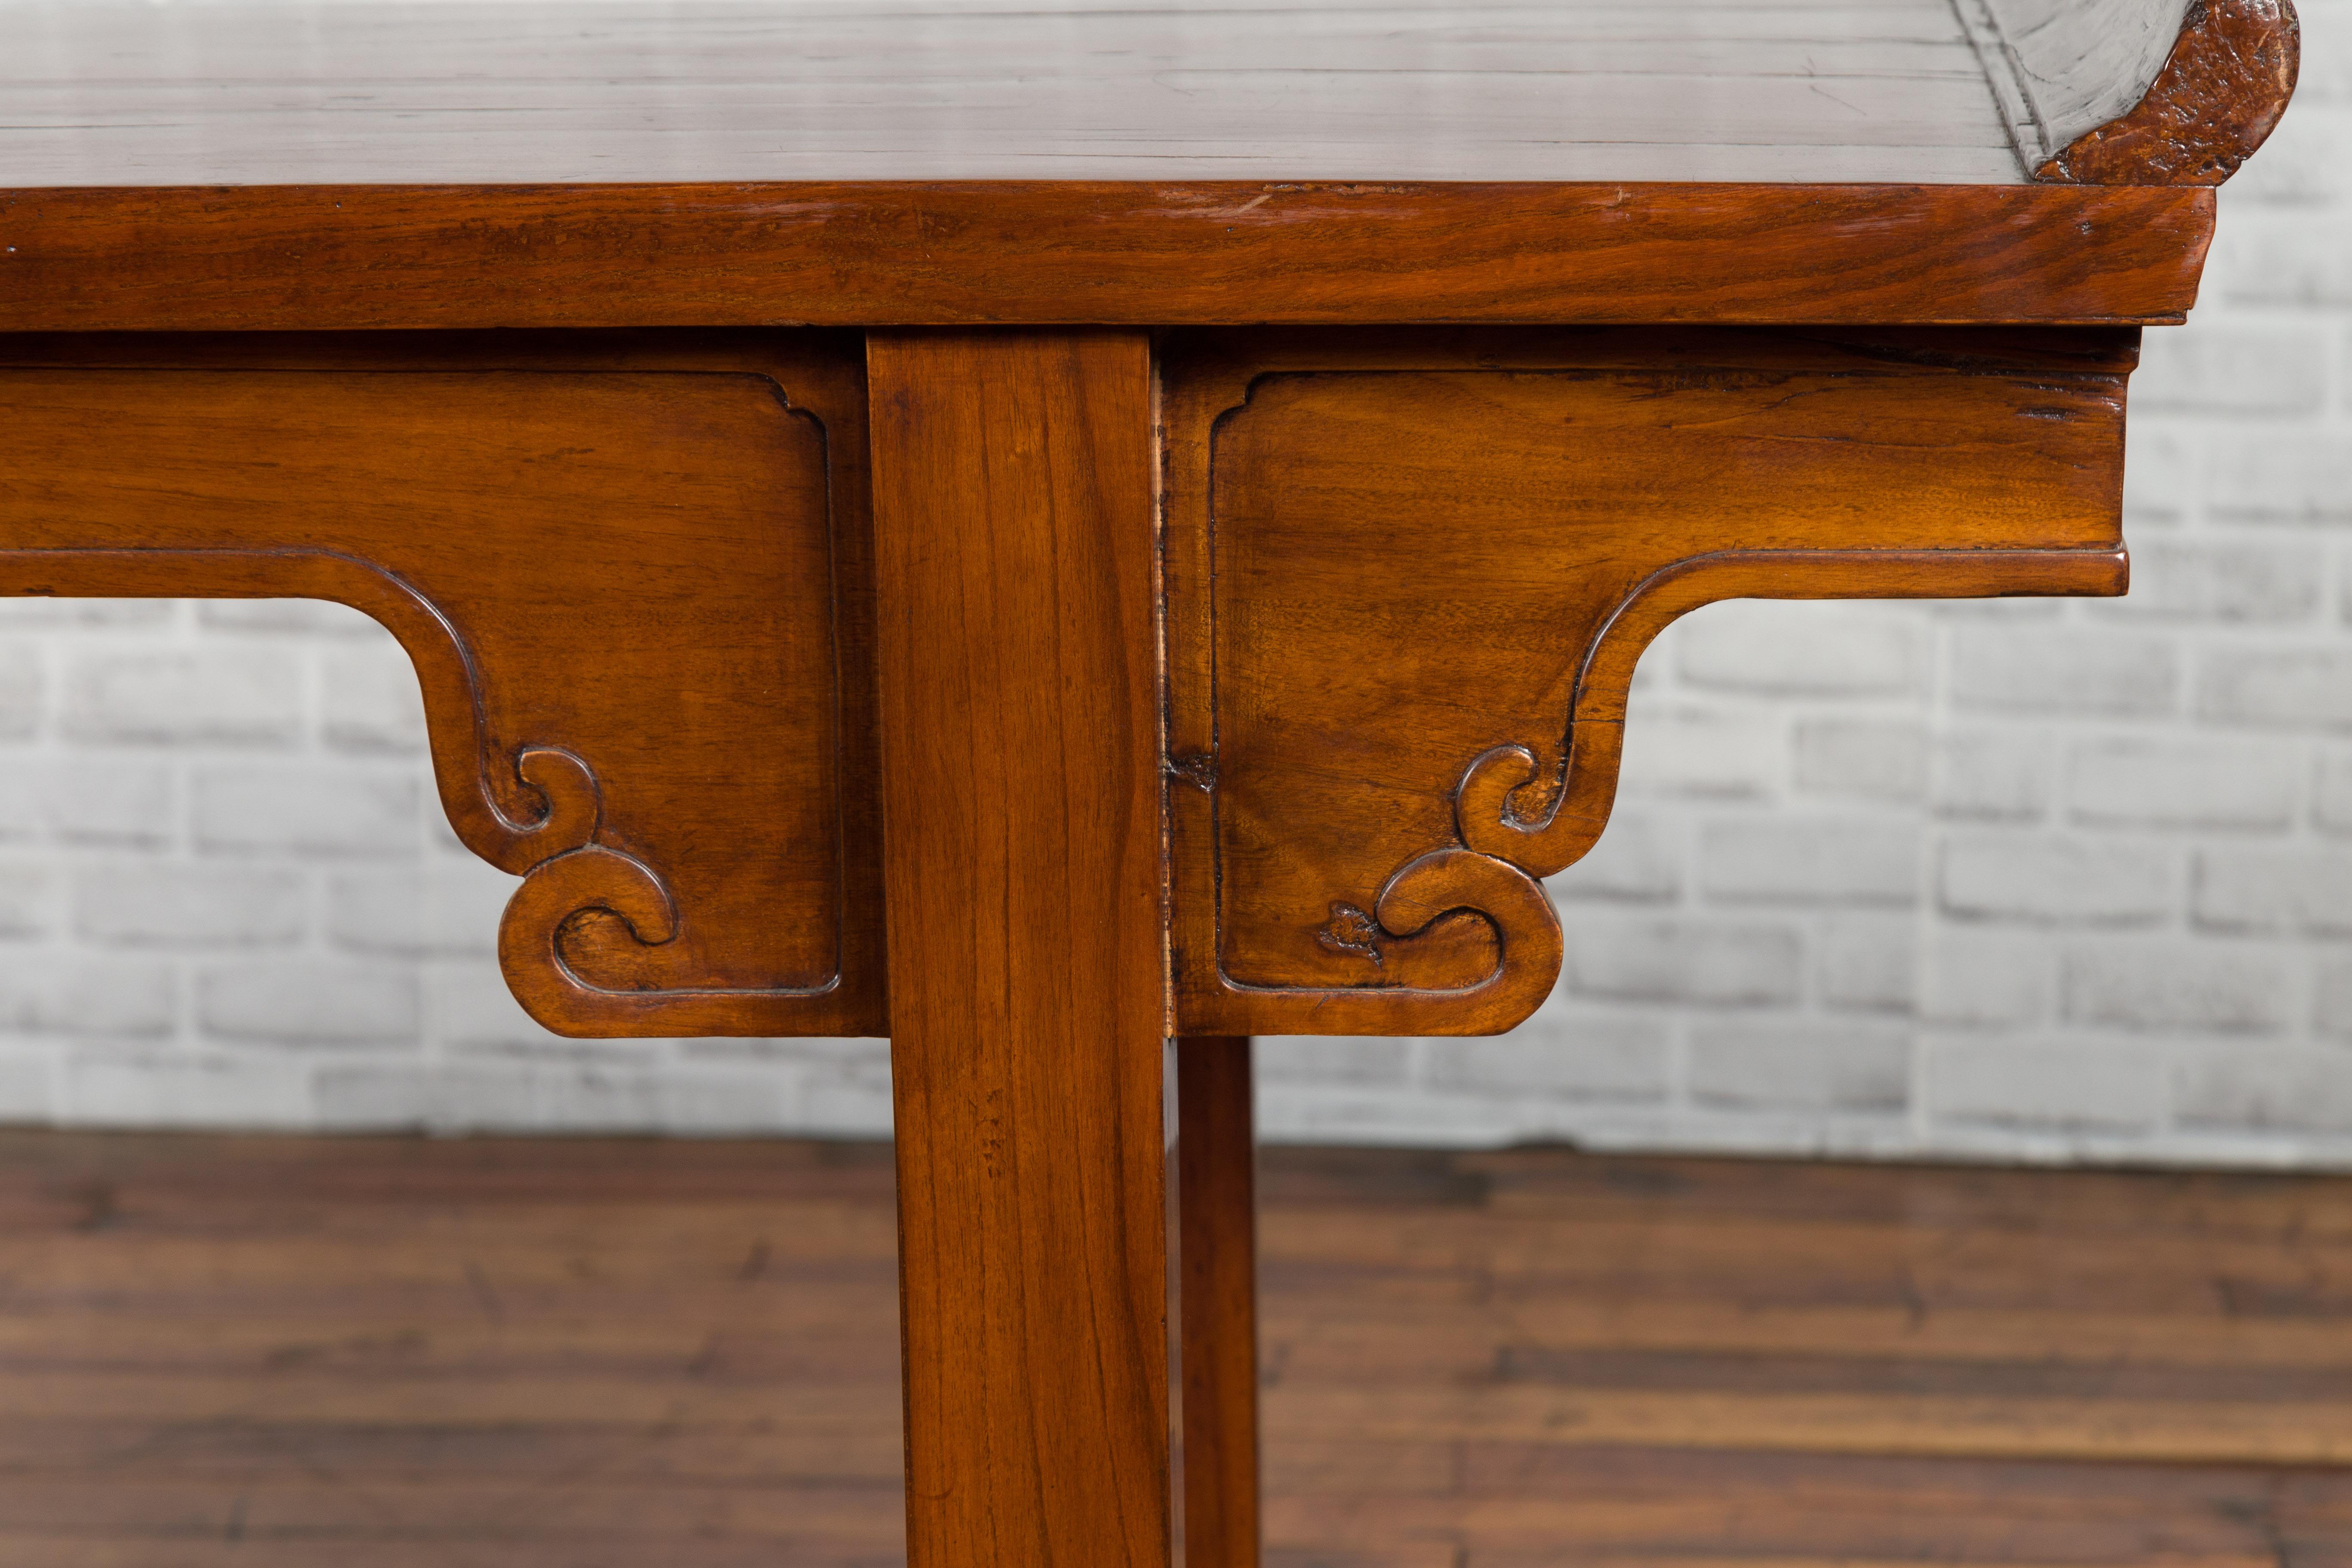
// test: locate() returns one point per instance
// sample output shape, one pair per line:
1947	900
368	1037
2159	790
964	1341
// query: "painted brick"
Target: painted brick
2176	986
1863	759
2297	687
50	994
2331	1007
311	810
118	803
2161	462
20	692
21	817
444	909
178	1090
2231	370
703	1105
86	615
1700	752
305	617
1992	776
1330	1059
28	900
441	1098
2063	670
2277	1089
2076	1087
2193	785
237	696
2246	891
599	1099
309	1000
1780	859
2007	612
25	1089
2279	476
2331	805
473	1010
1810	1067
1638	860
2232	583
1986	979
1699	962
854	1098
163	904
370	702
1867	963
2280	262
2302	165
2052	880
1571	1055
2325	81
1792	648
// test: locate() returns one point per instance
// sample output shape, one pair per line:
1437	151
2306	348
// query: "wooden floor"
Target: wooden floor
368	1352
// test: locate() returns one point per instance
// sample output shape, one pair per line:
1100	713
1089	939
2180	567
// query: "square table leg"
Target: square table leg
1014	497
1216	1142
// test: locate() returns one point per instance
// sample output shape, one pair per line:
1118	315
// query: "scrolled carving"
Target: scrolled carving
1408	581
616	567
1457	881
1548	835
2216	98
1445	886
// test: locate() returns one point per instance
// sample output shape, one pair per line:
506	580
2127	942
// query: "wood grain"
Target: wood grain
712	873
2137	92
1363	529
605	1353
2220	94
251	92
1217	1173
380	257
1014	486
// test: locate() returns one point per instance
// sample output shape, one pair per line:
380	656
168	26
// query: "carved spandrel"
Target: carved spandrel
617	583
1408	587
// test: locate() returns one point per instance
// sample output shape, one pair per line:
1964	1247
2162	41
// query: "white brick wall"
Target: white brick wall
2017	879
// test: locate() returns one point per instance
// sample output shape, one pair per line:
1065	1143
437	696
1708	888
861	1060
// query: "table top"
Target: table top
333	91
306	165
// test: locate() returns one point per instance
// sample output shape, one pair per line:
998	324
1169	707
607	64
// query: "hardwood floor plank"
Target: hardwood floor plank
265	1353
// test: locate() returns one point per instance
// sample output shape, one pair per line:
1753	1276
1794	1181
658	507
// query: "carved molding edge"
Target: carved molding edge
1506	846
1545	837
535	813
2216	98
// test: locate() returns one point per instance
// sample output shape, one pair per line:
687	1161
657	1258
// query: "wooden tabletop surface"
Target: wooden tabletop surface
362	91
323	164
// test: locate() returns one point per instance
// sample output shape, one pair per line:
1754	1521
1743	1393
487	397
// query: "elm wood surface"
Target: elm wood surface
1409	577
1015	497
1948	91
332	257
536	232
307	94
274	1353
1216	1148
554	529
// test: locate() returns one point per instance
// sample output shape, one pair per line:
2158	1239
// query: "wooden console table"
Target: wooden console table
1038	534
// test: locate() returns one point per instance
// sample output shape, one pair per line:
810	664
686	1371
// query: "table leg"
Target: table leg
1216	1143
1014	512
